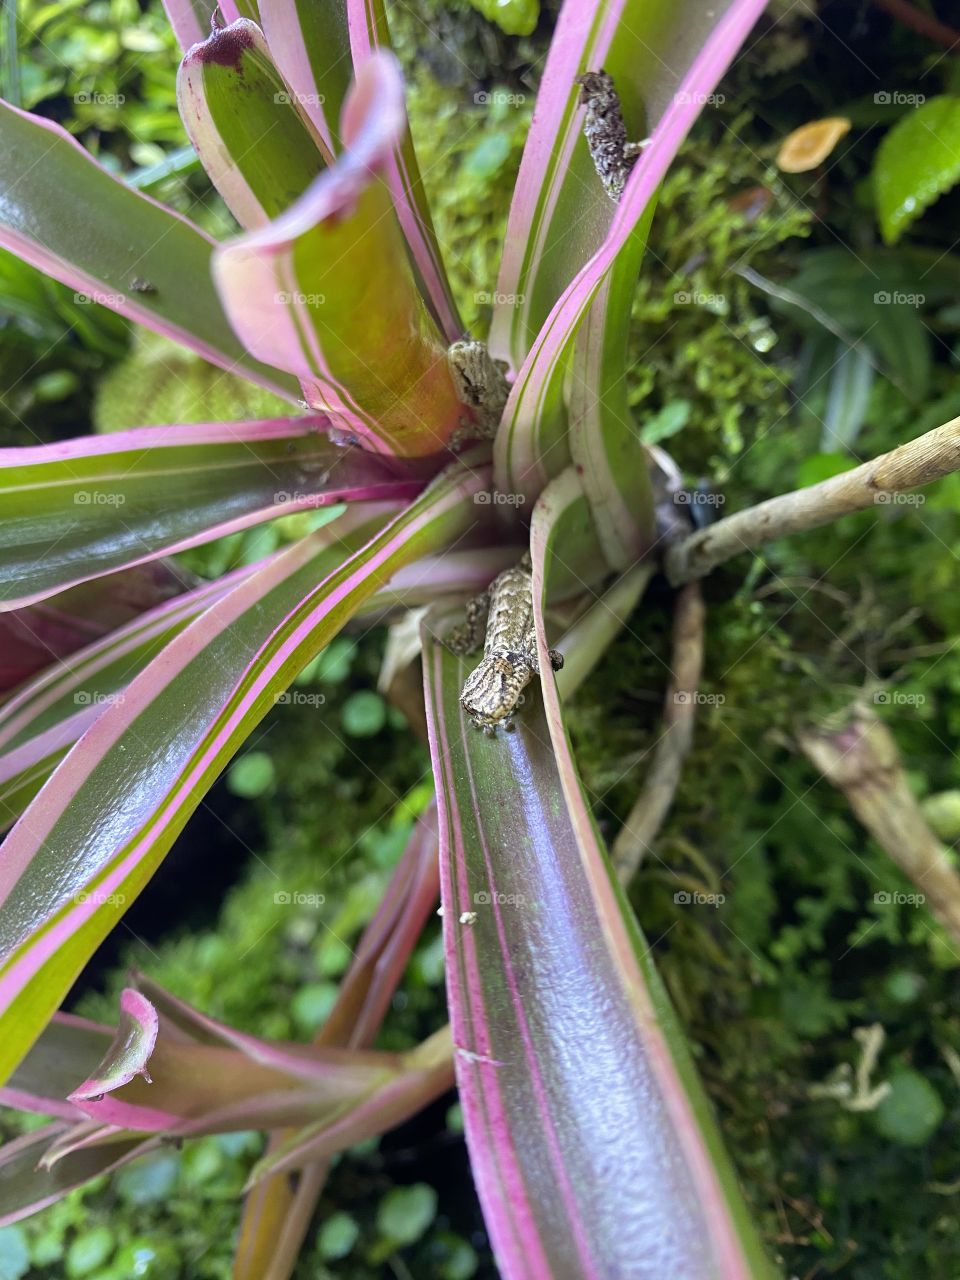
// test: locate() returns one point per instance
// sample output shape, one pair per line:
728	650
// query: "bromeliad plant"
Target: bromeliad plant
593	1149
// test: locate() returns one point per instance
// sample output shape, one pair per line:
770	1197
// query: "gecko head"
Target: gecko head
492	690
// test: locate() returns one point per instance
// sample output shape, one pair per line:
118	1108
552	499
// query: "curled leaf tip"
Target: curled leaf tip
810	145
225	46
129	1053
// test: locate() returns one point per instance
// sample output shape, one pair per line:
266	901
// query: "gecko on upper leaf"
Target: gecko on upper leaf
510	661
606	134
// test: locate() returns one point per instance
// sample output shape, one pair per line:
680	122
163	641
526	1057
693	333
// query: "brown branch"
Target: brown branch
653	804
911	466
923	23
862	761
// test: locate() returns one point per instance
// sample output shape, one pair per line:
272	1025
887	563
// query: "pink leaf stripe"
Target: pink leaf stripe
325	289
276	1216
107	236
259	150
26	1187
164	489
519	464
45	718
556	201
76	858
190	19
701	1171
308	41
69	1049
586	1163
369	32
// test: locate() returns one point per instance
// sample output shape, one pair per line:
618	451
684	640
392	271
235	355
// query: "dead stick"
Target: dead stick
910	466
652	805
861	759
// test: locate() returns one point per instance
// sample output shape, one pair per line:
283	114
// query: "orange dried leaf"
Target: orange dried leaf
810	145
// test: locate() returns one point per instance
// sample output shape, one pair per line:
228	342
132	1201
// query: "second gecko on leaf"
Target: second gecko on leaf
492	690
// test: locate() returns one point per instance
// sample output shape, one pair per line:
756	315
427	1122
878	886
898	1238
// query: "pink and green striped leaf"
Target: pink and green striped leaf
605	444
368	33
170	1069
592	1146
108	814
34	637
560	213
191	20
422	1076
310	44
114	245
68	1050
26	1187
87	507
41	721
531	444
277	1214
326	290
259	151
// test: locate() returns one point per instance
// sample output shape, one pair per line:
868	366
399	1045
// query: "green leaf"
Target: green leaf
911	1112
245	126
406	1212
252	775
337	1236
673	417
364	714
108	242
917	161
515	17
90	1251
14	1254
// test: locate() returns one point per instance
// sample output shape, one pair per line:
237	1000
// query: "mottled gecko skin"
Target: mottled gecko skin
606	134
481	384
492	690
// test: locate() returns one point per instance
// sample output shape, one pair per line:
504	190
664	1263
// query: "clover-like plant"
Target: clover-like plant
448	462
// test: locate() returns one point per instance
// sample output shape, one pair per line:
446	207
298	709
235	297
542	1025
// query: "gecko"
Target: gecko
481	384
492	690
606	134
